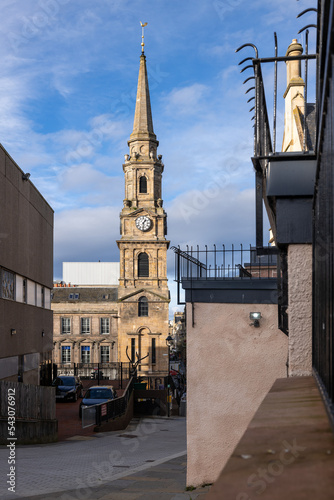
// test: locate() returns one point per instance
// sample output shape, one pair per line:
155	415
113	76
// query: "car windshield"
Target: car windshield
99	394
64	381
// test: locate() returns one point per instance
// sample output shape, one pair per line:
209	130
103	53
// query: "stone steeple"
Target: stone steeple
143	140
143	168
143	123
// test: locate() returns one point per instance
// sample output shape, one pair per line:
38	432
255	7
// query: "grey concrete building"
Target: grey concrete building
26	268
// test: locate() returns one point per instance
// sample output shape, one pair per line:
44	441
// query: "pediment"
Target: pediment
148	293
141	211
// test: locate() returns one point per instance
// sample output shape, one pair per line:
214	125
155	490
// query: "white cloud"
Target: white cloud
218	215
86	234
187	100
67	98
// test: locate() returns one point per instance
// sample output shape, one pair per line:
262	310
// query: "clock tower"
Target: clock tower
143	292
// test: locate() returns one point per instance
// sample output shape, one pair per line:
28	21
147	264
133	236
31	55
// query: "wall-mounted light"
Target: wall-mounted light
43	333
255	317
25	177
12	331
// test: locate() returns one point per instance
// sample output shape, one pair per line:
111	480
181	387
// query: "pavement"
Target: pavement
287	451
147	461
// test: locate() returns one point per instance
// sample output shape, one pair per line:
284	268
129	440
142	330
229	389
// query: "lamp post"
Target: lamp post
169	341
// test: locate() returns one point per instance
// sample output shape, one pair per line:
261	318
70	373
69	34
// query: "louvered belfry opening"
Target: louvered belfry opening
143	184
143	265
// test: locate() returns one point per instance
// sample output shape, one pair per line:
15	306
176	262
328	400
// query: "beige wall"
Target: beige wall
143	330
230	368
300	310
76	311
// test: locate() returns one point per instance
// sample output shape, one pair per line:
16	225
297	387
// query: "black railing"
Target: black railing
265	134
323	244
96	371
220	263
223	263
114	408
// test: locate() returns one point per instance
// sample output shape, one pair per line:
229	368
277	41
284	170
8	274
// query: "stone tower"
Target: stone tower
294	102
143	291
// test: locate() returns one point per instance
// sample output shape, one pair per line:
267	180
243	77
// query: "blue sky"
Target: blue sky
67	97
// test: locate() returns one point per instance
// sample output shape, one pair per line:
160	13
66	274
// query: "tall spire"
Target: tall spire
143	123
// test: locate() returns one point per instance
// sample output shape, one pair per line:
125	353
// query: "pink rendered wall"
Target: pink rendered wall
230	368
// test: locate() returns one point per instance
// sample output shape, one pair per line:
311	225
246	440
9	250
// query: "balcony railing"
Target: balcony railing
220	263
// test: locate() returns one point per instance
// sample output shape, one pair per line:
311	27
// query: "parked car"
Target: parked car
96	395
68	387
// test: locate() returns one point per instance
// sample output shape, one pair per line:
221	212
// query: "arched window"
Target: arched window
143	265
142	306
143	184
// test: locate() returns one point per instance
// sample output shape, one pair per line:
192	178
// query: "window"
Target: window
153	353
105	354
7	290
74	296
43	296
65	354
143	184
38	294
85	354
85	326
143	265
24	290
66	325
133	350
143	306
105	326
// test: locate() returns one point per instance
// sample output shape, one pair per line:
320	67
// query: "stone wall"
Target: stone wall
300	310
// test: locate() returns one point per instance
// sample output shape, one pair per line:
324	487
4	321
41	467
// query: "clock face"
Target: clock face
143	223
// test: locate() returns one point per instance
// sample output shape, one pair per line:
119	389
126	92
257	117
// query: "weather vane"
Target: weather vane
142	36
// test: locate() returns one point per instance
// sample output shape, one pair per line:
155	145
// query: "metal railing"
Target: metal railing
96	371
223	264
96	414
323	233
265	146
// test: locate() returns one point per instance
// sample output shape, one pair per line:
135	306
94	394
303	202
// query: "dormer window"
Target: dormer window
143	184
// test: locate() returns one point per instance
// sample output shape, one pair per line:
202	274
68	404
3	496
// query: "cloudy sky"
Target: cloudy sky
67	98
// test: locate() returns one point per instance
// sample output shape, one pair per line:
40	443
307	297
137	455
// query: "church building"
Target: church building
137	308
